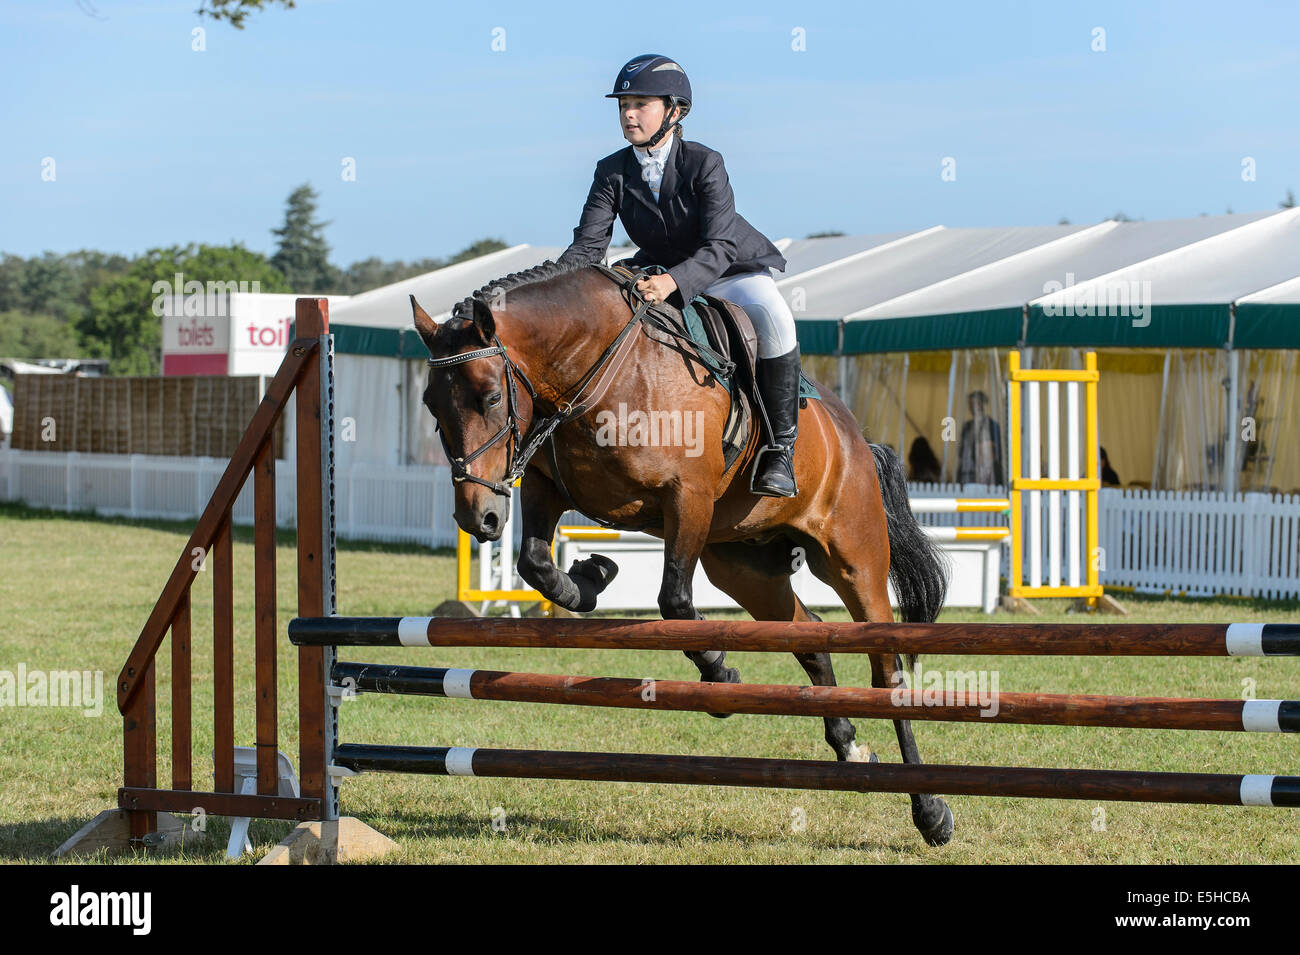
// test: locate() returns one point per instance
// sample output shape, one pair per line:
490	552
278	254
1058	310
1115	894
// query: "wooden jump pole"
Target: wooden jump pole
1078	639
1127	786
317	718
1277	716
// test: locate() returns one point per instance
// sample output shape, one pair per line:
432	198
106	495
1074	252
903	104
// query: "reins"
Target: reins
521	448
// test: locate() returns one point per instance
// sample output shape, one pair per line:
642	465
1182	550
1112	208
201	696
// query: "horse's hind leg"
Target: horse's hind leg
859	578
931	814
758	578
839	731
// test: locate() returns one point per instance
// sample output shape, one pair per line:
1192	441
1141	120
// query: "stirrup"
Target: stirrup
786	458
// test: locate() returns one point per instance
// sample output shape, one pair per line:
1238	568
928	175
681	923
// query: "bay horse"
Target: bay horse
544	356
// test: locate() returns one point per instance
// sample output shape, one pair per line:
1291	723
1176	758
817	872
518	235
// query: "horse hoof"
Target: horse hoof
590	577
936	833
861	754
726	675
597	568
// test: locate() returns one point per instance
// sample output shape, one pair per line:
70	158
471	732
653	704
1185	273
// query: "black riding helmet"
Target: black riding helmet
653	75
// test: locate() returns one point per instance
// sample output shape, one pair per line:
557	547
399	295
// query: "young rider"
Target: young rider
675	202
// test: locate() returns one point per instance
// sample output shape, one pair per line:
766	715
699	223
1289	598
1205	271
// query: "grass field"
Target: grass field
75	590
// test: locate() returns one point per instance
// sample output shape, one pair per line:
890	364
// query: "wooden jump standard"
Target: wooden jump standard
1134	712
141	820
306	374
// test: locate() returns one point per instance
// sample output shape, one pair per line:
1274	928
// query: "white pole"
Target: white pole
958	505
1074	426
485	574
992	571
506	565
1035	471
1054	472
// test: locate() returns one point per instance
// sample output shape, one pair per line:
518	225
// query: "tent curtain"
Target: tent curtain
1189	445
422	444
979	415
823	369
369	409
920	404
1267	402
874	390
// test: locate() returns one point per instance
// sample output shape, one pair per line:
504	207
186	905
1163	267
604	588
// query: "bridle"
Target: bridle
514	465
520	449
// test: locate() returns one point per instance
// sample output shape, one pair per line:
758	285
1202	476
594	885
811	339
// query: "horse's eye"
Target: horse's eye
494	400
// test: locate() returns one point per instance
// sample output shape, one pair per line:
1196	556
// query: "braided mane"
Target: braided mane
538	273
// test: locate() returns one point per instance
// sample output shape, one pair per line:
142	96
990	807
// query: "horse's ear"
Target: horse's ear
484	322
425	326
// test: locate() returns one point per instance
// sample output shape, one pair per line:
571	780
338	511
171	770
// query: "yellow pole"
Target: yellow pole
462	566
1094	474
1014	471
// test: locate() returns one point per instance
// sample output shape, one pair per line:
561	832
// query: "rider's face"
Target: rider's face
640	117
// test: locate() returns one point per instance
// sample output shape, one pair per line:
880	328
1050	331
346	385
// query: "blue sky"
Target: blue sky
156	144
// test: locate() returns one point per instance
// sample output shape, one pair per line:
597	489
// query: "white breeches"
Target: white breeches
757	294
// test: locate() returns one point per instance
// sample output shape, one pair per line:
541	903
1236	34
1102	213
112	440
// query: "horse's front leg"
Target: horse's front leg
542	509
686	531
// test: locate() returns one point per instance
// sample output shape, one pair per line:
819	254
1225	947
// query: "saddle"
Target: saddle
722	336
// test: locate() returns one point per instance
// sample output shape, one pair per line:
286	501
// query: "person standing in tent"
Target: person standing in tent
980	450
675	202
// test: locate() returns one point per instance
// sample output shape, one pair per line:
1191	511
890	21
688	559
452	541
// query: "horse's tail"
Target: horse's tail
916	566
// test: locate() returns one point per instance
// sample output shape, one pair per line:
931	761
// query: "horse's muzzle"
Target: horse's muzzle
485	525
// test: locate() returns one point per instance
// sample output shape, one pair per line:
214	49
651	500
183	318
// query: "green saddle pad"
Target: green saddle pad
695	328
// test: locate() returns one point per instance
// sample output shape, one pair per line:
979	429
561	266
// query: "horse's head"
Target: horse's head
471	395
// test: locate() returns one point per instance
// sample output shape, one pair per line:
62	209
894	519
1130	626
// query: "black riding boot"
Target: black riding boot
778	383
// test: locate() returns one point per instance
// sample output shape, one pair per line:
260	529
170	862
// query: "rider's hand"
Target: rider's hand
656	288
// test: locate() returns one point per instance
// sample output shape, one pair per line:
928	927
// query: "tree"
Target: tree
12	268
475	249
57	285
48	285
93	269
23	335
303	254
235	12
824	235
371	273
1288	202
121	324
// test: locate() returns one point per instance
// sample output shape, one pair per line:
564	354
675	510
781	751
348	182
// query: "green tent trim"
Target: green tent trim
986	328
1163	326
1267	325
818	336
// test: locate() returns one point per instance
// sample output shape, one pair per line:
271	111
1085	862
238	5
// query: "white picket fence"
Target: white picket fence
398	505
1201	543
1154	541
